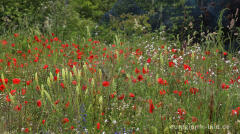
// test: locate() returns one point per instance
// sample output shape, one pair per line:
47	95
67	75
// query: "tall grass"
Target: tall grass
154	86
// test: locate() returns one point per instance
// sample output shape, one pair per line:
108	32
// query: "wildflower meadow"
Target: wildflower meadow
53	86
95	67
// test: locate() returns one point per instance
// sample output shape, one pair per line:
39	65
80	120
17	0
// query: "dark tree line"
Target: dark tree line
166	9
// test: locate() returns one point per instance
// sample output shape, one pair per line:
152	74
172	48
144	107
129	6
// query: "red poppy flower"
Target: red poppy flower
39	103
186	67
140	78
134	80
5	80
121	51
123	71
43	121
235	112
162	82
14	60
181	111
65	120
162	92
74	82
16	81
91	57
232	81
23	91
121	97
16	35
4	42
49	46
7	98
2	87
149	60
96	41
57	70
84	87
137	70
113	95
174	50
56	102
225	53
36	59
171	64
193	90
105	83
194	119
26	130
186	82
238	79
98	125
151	106
138	52
209	81
131	95
45	66
144	71
37	87
207	52
177	92
55	38
62	85
224	86
67	104
28	82
18	107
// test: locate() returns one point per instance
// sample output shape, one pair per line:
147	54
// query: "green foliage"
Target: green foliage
13	13
158	4
91	9
127	25
132	24
67	23
65	18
